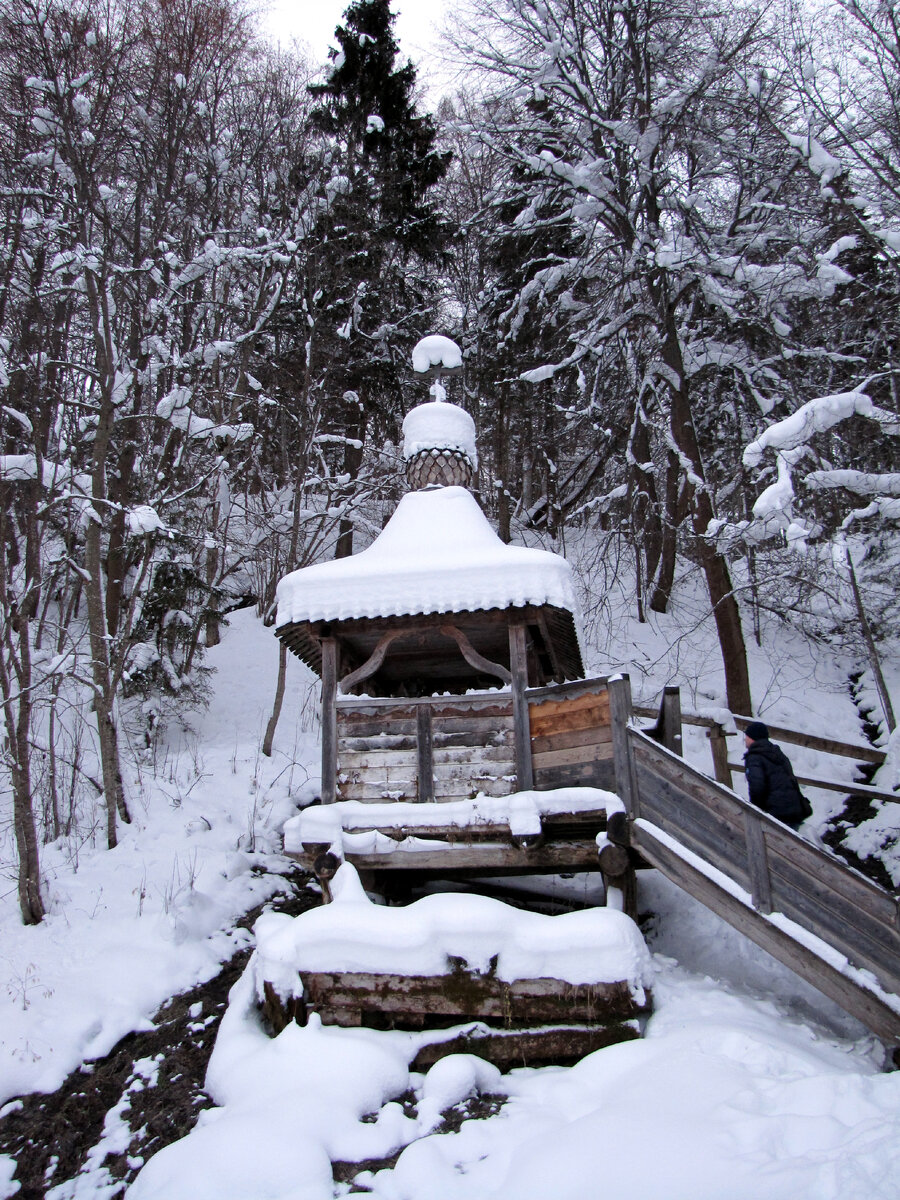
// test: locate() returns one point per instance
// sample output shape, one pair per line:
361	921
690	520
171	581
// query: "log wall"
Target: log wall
451	748
571	736
440	748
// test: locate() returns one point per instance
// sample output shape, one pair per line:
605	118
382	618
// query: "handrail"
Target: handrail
836	785
746	866
797	737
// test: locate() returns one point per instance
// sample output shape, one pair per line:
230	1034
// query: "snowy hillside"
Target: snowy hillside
745	1074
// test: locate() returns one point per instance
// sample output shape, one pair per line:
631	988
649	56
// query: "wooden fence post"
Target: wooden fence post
329	719
670	711
667	730
719	747
518	668
623	755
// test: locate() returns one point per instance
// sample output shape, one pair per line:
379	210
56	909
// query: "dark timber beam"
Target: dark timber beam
329	719
424	754
518	663
372	663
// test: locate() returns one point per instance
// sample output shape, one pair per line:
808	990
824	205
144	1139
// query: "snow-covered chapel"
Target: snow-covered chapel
437	603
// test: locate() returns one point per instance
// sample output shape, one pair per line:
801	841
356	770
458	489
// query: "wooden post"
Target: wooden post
719	747
424	754
518	669
670	719
623	755
618	876
329	719
757	863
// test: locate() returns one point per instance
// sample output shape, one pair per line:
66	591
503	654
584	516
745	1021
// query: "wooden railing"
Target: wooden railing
670	718
768	881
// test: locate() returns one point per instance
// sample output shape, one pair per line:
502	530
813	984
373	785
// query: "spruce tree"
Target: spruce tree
381	236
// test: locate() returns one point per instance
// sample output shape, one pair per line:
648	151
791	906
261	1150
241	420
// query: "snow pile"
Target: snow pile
436	351
325	824
596	945
437	553
729	1094
439	426
144	520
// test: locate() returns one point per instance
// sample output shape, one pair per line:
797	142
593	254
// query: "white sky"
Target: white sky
314	21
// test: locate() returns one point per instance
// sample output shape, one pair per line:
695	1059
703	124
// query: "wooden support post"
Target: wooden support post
424	754
719	747
670	719
329	719
619	876
623	755
757	863
518	669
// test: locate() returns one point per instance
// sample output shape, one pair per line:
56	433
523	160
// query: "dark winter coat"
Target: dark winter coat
771	782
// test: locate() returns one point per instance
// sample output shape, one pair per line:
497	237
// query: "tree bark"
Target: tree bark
715	568
668	550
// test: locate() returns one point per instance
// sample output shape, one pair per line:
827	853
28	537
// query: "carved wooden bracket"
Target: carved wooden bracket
372	663
472	657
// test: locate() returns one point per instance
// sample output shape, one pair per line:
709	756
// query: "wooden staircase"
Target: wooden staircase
810	910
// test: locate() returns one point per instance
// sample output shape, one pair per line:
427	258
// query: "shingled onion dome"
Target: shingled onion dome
438	438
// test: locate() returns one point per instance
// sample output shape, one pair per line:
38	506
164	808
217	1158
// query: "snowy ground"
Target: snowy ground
747	1083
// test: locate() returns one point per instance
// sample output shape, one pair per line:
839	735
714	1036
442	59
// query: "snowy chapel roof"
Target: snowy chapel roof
437	554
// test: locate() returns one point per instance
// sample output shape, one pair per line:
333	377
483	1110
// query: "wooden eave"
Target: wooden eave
422	658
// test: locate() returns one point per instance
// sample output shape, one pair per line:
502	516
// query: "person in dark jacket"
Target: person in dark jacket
770	778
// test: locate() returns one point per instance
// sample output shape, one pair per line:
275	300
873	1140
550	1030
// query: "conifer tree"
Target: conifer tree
381	235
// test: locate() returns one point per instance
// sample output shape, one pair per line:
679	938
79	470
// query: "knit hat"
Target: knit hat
756	731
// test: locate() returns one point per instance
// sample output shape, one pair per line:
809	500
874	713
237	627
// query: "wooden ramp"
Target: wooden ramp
823	919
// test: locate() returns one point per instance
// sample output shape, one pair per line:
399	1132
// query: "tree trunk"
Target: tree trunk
668	554
872	650
501	459
269	737
29	880
17	713
101	676
16	611
718	578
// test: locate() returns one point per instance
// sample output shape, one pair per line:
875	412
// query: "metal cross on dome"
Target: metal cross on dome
437	356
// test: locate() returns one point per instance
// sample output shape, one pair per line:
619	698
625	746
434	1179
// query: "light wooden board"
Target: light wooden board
568	739
377	760
579	755
585	713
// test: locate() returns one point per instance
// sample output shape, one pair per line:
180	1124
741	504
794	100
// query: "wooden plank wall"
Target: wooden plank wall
467	744
783	871
571	736
381	744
